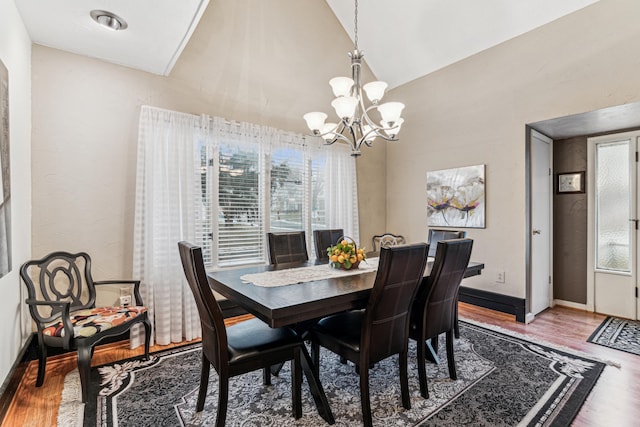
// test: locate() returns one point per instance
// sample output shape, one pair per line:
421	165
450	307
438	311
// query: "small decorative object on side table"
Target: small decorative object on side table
345	254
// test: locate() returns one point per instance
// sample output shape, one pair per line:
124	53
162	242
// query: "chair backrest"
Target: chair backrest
386	240
323	239
287	247
214	334
385	330
436	300
59	276
436	235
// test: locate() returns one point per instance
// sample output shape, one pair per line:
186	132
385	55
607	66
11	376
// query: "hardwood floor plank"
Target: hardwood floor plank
613	401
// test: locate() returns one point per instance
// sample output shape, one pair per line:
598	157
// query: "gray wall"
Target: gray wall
570	225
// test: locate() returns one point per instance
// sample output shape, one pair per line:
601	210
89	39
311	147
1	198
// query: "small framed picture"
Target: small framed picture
570	182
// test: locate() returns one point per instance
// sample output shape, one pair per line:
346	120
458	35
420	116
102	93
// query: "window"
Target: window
254	180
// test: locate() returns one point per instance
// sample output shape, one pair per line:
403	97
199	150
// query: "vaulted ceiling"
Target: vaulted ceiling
402	40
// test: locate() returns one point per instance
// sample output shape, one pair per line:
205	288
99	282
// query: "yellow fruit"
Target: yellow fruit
334	258
353	259
360	257
340	259
345	243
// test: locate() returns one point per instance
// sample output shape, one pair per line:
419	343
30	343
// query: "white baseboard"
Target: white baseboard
571	304
529	317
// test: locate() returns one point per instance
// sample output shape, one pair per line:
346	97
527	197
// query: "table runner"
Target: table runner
292	276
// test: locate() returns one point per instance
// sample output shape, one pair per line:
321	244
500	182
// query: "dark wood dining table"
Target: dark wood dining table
303	303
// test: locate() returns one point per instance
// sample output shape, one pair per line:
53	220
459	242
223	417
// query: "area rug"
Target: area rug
621	334
503	380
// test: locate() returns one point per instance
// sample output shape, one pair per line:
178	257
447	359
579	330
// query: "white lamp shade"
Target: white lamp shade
395	129
315	120
375	90
341	86
329	131
345	106
391	111
365	130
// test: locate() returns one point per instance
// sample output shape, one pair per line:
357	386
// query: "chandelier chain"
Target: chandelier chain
355	26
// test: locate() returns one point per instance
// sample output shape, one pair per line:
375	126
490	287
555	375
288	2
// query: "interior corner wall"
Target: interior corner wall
570	225
475	112
15	53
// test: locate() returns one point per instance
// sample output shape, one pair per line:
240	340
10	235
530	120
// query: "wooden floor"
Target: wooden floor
614	401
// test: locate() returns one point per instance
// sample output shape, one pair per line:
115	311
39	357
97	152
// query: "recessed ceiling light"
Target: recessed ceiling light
109	20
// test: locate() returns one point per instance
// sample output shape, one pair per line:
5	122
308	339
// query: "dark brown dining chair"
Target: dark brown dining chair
244	347
434	308
287	247
435	235
323	239
62	303
381	330
386	240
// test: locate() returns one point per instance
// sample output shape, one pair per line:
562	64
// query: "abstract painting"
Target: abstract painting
5	175
455	197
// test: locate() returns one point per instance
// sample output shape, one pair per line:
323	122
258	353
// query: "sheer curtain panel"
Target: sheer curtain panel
167	194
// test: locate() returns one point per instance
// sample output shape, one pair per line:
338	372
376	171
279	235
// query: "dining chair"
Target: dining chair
386	240
241	348
62	303
435	235
381	330
434	309
323	239
287	247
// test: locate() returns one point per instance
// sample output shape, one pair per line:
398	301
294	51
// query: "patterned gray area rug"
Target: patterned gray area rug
502	381
621	334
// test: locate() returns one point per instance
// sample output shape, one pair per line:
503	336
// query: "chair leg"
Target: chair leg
434	345
422	370
42	361
456	327
450	359
364	396
266	375
204	383
404	381
147	337
296	383
84	366
223	397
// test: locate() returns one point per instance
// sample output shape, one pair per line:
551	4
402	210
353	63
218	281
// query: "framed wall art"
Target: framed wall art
456	197
5	175
570	182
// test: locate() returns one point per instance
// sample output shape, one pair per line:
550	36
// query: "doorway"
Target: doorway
613	223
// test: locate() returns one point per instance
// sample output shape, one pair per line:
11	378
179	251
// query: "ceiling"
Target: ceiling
402	40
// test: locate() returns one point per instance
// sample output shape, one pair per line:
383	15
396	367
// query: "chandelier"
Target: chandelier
356	126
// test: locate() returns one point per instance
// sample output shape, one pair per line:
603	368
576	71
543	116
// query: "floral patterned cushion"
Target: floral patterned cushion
93	320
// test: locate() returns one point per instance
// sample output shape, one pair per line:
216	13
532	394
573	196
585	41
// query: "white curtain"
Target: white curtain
342	191
166	196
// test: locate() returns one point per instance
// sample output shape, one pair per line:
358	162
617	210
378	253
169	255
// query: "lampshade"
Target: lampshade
365	130
341	86
375	90
345	106
315	120
390	111
329	131
395	130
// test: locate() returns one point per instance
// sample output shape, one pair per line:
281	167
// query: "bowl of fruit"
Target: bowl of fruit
345	254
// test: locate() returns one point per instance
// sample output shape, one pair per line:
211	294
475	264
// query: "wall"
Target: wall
15	53
247	61
570	225
475	112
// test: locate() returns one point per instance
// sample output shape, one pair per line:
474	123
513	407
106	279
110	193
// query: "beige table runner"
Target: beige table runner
292	276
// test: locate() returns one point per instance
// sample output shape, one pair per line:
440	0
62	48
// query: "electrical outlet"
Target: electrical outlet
125	300
500	277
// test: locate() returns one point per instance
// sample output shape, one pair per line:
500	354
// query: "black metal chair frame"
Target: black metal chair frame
64	302
287	247
434	310
386	240
233	354
323	239
384	323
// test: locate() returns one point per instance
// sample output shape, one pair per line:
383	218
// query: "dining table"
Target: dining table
301	304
